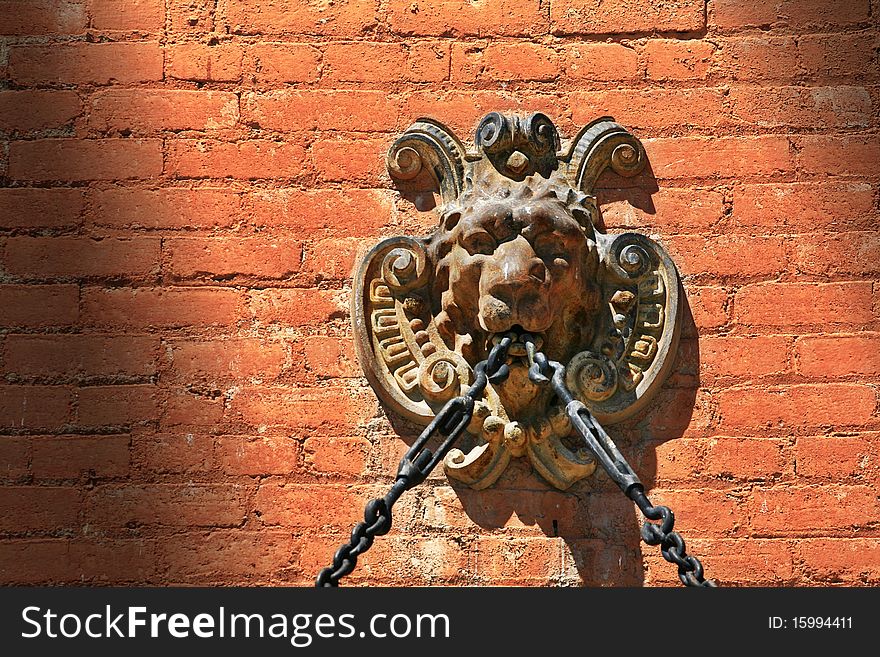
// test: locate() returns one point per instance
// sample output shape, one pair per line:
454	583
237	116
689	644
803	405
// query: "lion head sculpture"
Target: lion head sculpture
516	250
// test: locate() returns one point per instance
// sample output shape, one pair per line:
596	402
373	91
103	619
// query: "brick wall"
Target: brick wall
187	184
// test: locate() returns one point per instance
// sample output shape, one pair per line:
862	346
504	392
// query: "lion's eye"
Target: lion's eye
550	248
479	243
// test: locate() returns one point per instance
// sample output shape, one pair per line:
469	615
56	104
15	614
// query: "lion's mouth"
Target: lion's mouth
518	346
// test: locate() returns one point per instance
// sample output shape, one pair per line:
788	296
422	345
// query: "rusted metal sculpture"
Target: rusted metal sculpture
516	252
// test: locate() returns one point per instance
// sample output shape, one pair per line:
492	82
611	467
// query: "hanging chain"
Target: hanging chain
418	462
543	371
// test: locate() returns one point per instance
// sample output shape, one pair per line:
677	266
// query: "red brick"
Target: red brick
241	358
852	562
830	254
81	355
802	107
87	63
332	259
35	561
244	455
757	58
330	357
166	307
835	457
100	406
803	304
85	159
351	111
188	505
601	61
669	209
793	13
177	453
215	259
839	355
703	512
825	56
196	407
472	62
81	257
26	111
804	207
286	62
389	62
845	155
141	111
321	212
674	59
679	411
709	306
141	15
625	16
721	255
295	307
719	157
38	508
40	208
308	507
170	208
34	407
508	561
745	458
15	457
346	18
255	158
464	18
38	305
797	406
104	561
330	409
67	457
654	108
195	61
337	456
756	356
26	17
191	16
227	556
808	511
354	161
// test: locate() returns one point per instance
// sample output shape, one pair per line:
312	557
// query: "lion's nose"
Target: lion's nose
518	267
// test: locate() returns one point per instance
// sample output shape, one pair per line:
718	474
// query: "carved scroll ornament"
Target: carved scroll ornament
516	250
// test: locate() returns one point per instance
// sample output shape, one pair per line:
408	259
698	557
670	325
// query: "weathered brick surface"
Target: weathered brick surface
186	187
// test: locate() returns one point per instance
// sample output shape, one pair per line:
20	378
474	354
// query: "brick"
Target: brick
804	207
802	107
757	58
295	307
463	18
679	411
191	16
337	456
625	16
852	562
27	209
240	358
123	405
330	409
730	562
187	505
675	59
197	407
141	111
321	212
719	157
87	63
81	355
34	561
756	356
654	108
669	209
227	556
34	407
721	255
709	306
838	355
81	257
830	254
803	304
207	63
244	455
85	159
15	457
332	259
225	259
360	161
389	62
141	15
32	17
294	110
104	561
28	111
834	458
254	158
308	507
169	208
506	561
176	453
36	306
67	457
705	512
845	155
330	357
286	62
38	508
806	511
345	18
793	13
824	56
745	458
601	61
473	62
797	406
165	307
675	460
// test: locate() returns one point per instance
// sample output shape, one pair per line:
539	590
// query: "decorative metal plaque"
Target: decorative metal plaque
516	251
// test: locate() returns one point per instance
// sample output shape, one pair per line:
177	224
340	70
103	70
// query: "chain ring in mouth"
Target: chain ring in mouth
517	348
